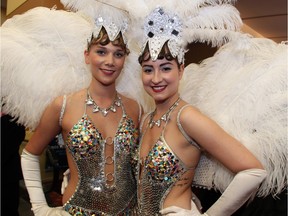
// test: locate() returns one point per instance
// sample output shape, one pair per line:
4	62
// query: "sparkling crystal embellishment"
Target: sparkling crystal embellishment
161	27
164	117
104	111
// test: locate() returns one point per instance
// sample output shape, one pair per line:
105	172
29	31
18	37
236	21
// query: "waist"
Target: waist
110	208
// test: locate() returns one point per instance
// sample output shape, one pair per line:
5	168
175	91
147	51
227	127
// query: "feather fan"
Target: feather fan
243	87
44	59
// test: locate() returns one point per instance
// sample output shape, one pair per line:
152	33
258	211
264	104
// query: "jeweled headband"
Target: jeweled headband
111	27
161	27
182	22
102	14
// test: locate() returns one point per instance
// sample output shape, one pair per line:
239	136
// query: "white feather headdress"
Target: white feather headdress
44	57
234	87
114	19
215	22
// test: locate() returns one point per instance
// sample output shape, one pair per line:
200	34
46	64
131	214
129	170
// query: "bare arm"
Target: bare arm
213	139
47	129
232	154
45	132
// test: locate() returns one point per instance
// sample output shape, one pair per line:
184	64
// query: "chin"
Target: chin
159	98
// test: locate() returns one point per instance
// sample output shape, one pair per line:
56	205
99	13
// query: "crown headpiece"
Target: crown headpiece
182	22
112	28
102	14
161	27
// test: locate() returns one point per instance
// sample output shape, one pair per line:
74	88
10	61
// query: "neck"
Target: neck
163	106
98	92
164	116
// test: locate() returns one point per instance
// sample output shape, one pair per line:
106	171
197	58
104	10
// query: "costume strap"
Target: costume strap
62	110
189	139
140	112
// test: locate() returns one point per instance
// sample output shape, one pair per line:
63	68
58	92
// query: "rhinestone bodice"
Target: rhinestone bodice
93	195
161	170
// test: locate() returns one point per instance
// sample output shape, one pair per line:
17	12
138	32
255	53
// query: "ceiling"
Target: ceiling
267	17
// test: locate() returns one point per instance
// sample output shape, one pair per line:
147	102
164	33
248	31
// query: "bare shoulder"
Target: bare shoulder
189	111
74	98
76	95
67	102
191	114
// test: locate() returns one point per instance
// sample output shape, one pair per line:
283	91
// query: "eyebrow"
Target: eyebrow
104	47
161	65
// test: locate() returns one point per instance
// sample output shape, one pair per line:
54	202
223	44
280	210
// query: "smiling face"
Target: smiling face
161	79
105	57
106	62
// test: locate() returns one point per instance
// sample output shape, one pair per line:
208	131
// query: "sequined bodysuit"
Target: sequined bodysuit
160	170
93	196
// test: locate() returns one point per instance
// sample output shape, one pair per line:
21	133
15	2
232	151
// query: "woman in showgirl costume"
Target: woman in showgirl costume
98	124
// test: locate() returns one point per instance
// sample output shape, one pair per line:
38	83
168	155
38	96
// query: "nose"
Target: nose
157	77
109	60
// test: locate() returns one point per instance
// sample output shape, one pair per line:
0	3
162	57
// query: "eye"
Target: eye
166	68
119	54
146	69
101	52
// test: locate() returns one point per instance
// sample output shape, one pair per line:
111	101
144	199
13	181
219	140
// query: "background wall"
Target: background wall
26	5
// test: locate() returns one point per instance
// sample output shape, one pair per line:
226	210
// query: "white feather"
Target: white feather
243	87
215	22
43	59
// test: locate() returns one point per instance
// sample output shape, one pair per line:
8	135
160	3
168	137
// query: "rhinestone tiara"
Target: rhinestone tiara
160	27
111	27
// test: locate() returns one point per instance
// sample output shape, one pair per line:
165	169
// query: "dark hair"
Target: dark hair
164	53
103	39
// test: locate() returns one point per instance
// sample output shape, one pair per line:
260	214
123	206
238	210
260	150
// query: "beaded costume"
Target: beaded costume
161	169
93	195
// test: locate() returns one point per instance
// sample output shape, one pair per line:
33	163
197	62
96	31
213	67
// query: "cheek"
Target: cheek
96	61
172	78
145	79
120	62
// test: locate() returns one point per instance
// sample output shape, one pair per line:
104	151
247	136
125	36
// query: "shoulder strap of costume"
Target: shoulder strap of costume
62	110
140	111
189	139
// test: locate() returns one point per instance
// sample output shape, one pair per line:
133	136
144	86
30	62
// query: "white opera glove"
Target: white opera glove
241	188
32	177
66	177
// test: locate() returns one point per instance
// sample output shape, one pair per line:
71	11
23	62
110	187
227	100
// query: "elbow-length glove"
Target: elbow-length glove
65	181
32	177
241	188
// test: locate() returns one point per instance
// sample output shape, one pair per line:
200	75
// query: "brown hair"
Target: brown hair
103	40
164	53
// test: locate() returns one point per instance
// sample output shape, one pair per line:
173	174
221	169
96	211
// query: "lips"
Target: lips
107	71
158	88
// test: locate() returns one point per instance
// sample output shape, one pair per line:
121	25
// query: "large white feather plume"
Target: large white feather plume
42	58
211	21
243	87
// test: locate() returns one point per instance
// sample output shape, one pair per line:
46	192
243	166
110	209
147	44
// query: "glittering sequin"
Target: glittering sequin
93	196
83	139
162	165
159	27
112	28
130	210
161	169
